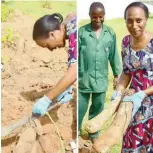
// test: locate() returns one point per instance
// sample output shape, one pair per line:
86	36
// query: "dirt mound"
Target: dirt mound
29	72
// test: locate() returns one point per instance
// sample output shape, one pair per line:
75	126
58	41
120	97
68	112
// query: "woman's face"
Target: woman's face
97	17
56	39
136	21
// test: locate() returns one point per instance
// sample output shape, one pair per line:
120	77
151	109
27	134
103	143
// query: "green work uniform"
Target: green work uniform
94	54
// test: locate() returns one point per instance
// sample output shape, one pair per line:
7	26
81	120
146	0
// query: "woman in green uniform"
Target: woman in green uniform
97	46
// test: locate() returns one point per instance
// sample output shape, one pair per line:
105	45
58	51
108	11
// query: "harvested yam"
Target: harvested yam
109	138
97	122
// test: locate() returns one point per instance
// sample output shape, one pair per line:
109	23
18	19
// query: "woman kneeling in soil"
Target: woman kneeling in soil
50	31
137	56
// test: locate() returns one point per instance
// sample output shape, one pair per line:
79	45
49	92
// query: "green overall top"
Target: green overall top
94	54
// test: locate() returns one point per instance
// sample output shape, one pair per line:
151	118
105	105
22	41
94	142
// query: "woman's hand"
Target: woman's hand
136	99
129	92
66	96
41	106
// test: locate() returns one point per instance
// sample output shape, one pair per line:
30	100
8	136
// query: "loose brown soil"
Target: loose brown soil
29	72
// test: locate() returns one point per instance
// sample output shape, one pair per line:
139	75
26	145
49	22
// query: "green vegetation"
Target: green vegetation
9	37
46	4
150	15
5	11
5	59
37	9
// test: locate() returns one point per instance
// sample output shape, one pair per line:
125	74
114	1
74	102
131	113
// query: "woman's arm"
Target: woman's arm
68	79
123	82
149	91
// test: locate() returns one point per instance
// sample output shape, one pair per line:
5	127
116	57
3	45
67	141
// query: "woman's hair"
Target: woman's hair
96	5
45	24
140	5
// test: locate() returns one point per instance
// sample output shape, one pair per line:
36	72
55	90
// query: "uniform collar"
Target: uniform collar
89	28
92	33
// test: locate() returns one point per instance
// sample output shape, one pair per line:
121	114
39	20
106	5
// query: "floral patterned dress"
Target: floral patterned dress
71	28
139	64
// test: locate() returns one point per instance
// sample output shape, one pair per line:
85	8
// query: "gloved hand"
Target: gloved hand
66	96
41	106
137	99
115	95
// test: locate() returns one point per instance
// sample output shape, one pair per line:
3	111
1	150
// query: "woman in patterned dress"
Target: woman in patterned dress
50	31
137	57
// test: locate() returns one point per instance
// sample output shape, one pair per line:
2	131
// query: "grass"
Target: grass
37	9
119	26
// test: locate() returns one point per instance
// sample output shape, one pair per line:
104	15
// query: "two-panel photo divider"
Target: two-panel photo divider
77	76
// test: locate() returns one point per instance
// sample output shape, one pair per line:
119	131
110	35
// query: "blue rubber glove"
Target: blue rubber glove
115	95
137	99
66	96
41	106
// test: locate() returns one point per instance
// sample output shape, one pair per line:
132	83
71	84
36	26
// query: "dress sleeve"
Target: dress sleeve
72	51
125	55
